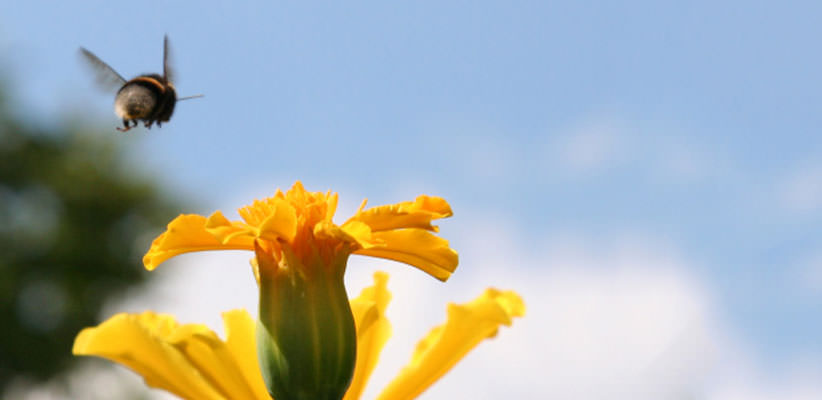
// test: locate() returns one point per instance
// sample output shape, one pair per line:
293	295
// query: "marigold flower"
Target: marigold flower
306	337
192	362
300	222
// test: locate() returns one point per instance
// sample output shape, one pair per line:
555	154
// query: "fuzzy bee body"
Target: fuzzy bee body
149	98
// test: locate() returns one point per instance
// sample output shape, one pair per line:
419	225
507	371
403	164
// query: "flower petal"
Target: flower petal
187	360
139	342
224	230
281	223
241	342
446	344
416	214
373	330
188	233
355	232
213	360
416	247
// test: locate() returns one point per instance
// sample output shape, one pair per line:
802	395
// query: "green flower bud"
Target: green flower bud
306	338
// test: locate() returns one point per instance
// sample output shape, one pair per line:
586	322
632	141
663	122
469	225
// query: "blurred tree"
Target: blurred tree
74	222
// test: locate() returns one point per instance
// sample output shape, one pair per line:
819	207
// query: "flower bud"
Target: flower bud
306	338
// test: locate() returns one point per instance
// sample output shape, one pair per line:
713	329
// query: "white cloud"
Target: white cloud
594	145
604	321
603	143
197	287
801	191
680	158
618	318
808	274
91	380
803	382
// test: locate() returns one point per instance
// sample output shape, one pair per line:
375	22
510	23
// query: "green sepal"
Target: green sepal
306	337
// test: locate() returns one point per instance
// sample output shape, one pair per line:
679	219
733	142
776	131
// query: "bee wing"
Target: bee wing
107	77
168	71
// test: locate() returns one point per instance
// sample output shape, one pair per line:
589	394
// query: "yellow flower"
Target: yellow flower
192	362
306	335
300	222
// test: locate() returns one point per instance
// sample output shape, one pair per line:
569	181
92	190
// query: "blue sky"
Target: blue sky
683	135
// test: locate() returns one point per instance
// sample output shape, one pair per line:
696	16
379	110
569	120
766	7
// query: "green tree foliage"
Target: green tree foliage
74	222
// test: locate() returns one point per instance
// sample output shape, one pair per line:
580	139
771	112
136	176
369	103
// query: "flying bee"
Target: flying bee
149	97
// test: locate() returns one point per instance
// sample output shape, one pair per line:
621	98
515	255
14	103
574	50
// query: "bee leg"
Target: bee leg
125	124
148	124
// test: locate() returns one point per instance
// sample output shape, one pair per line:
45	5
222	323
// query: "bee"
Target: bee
149	97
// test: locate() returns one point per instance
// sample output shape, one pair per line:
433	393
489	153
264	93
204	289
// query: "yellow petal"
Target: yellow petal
137	341
187	360
188	233
445	345
416	214
360	233
224	230
373	330
416	247
241	342
331	205
281	223
325	230
209	355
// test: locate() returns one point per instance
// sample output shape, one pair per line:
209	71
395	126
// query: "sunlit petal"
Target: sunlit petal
280	223
187	360
240	342
227	231
186	234
373	330
445	345
139	342
416	247
416	214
